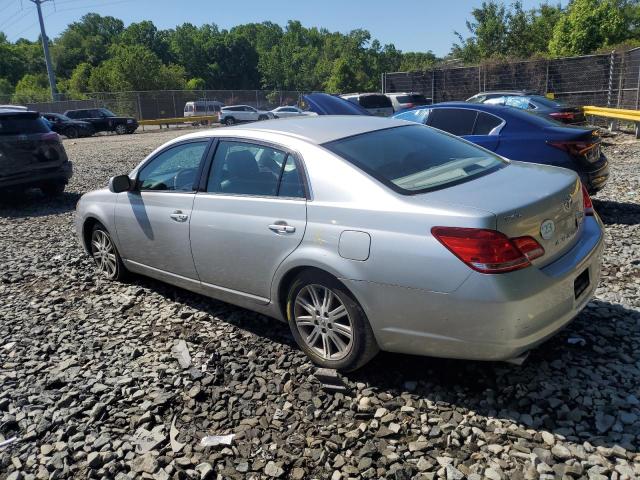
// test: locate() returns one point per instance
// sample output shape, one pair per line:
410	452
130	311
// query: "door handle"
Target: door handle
282	228
178	216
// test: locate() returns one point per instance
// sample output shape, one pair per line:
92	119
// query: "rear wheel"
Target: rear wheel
328	323
105	255
121	129
53	189
229	121
71	132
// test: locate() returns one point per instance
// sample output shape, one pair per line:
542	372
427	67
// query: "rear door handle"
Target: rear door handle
178	216
282	228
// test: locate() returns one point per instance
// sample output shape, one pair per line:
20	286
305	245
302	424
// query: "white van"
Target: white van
200	108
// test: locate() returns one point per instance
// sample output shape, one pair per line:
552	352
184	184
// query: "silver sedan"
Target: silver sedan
362	233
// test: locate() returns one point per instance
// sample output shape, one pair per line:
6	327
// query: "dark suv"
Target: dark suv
31	155
104	120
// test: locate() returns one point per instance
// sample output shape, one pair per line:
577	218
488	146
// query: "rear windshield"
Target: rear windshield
415	159
547	102
375	101
416	99
22	125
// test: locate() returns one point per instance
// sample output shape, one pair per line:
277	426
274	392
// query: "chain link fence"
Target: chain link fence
151	105
608	80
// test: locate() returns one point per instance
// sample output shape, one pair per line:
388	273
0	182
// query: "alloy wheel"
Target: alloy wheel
323	322
104	254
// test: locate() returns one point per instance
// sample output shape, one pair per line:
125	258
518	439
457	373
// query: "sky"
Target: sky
412	25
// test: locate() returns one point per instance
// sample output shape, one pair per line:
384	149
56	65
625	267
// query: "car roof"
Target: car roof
316	129
508	92
9	112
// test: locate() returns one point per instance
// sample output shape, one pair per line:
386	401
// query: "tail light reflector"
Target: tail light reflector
586	202
488	251
575	148
563	115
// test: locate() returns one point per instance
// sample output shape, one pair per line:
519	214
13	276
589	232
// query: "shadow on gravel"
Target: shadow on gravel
584	392
34	204
620	213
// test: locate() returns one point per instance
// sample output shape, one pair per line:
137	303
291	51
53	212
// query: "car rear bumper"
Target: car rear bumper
489	317
34	178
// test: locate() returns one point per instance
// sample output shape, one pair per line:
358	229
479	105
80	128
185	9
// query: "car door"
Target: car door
486	131
460	122
152	222
251	114
249	218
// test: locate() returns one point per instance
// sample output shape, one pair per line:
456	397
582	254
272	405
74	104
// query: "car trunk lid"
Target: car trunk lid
542	202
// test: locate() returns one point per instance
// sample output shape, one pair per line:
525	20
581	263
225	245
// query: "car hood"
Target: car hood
325	104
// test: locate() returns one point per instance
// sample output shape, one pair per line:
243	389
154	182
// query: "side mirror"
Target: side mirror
120	183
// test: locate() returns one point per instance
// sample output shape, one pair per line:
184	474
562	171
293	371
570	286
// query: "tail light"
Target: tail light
580	148
409	105
50	137
563	115
586	202
488	251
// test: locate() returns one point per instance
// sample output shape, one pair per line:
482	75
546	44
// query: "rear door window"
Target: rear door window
418	116
375	101
486	124
457	121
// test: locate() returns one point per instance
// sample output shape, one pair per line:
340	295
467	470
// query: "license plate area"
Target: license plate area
581	283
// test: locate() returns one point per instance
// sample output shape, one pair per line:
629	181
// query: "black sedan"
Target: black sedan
533	102
68	127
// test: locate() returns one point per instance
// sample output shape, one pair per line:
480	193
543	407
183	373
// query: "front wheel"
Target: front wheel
71	132
121	129
328	323
105	255
263	117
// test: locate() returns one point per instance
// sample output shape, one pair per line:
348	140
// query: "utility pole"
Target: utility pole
47	55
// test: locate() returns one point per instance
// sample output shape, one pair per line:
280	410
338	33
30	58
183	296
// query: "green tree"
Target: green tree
587	25
417	61
6	87
31	89
488	31
87	41
79	81
146	34
196	84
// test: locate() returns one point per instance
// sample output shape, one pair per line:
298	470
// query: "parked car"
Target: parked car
290	111
403	101
200	108
375	103
104	120
68	127
13	107
242	113
520	135
533	102
31	155
363	233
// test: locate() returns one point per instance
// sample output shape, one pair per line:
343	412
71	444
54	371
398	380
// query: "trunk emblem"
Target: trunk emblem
547	229
566	204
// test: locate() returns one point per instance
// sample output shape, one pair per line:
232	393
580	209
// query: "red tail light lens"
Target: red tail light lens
50	137
563	115
575	148
488	251
586	202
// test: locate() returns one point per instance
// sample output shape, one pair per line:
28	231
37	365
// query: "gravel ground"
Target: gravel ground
91	387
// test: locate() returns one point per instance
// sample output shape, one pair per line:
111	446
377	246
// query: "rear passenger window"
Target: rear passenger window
486	123
248	169
457	121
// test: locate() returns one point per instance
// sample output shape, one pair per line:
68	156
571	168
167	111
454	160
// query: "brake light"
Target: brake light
488	251
563	115
575	148
50	136
586	202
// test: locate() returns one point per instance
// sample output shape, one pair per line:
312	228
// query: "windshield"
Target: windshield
415	158
107	113
375	101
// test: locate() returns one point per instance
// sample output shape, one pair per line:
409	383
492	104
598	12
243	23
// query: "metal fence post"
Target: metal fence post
139	107
610	87
257	101
433	86
546	79
479	78
173	98
638	90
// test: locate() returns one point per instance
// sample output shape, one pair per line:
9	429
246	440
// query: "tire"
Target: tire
229	121
121	129
343	341
263	117
105	254
71	132
53	189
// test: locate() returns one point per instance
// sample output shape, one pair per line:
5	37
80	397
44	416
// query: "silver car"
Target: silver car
362	233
